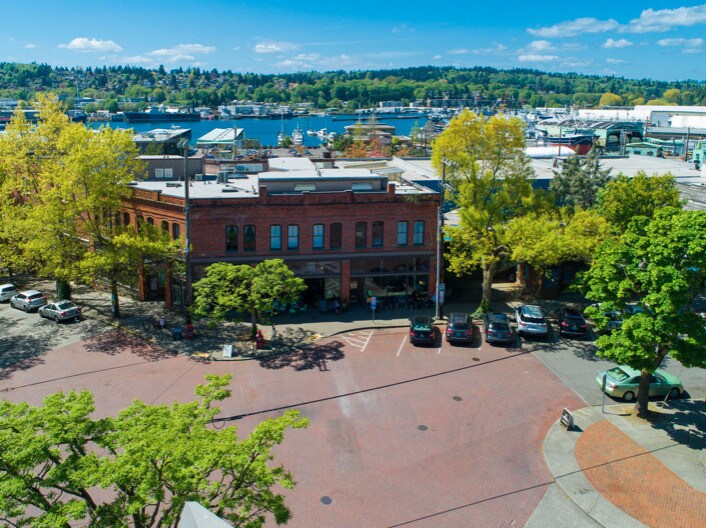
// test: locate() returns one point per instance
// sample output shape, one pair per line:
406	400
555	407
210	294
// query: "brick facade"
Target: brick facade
210	218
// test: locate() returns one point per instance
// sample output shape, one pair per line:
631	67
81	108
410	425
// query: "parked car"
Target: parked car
60	311
7	291
530	321
28	300
459	328
571	322
421	331
496	328
614	320
623	382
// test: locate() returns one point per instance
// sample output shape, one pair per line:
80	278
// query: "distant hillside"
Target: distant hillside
481	86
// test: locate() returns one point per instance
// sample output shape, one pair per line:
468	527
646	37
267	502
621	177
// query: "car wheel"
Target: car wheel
26	308
41	314
56	318
12	305
674	393
629	396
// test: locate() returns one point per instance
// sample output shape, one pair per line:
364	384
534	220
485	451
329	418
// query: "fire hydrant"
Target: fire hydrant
259	340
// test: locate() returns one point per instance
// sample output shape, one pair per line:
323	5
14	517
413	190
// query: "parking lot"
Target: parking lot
441	435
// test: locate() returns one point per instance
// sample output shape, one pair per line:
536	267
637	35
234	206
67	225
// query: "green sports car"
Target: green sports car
623	382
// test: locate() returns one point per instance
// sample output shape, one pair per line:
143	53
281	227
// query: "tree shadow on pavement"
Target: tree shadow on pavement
684	421
307	357
24	351
120	341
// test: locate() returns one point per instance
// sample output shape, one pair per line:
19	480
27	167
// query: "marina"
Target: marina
267	130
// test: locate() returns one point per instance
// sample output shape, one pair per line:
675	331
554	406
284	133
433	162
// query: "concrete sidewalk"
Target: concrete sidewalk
617	470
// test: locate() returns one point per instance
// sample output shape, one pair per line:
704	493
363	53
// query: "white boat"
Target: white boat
311	132
297	136
331	136
322	133
280	138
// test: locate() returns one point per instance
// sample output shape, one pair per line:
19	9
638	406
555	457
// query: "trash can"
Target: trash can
177	333
259	340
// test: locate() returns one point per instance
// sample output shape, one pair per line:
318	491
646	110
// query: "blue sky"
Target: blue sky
659	40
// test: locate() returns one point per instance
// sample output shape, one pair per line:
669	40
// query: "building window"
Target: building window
275	237
176	231
335	235
378	233
293	237
165	226
126	219
249	238
402	233
361	234
231	238
318	236
418	232
150	220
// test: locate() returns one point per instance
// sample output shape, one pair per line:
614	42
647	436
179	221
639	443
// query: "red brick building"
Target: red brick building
348	232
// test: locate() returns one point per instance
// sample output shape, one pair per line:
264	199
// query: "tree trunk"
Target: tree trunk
643	394
114	303
488	275
63	289
253	322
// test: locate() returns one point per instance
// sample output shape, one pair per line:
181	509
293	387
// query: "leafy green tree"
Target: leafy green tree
660	264
492	183
610	99
623	198
59	465
245	289
579	180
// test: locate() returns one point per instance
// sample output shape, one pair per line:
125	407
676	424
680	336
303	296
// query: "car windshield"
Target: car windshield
618	374
65	305
572	314
501	327
35	296
422	324
459	326
528	319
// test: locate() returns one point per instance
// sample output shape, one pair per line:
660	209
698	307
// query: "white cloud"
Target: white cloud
572	28
651	20
572	62
687	43
498	49
403	28
692	50
308	57
616	61
137	59
291	64
457	51
274	47
540	45
436	57
615	44
85	44
29	45
533	57
181	53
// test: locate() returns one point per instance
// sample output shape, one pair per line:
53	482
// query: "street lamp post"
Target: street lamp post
184	145
440	289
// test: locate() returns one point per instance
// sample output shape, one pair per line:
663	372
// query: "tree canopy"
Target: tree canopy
59	465
659	264
578	182
491	182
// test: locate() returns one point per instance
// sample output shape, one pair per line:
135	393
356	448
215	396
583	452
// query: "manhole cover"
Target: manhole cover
476	359
326	500
457	398
422	427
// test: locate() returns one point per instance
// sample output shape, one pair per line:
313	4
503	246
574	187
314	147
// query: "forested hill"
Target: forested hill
342	89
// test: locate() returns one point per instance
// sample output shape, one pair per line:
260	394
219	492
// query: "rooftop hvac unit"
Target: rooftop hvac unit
198	177
222	177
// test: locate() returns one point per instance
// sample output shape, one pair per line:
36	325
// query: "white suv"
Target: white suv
7	291
531	321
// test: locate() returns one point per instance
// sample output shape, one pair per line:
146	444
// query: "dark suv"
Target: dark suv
421	331
571	322
496	328
459	328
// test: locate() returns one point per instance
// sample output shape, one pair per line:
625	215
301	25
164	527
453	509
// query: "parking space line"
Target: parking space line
438	350
370	335
404	340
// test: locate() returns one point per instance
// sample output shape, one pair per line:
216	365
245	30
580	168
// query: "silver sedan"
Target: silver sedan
60	311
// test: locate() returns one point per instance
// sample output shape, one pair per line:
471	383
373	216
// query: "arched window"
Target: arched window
176	231
249	238
361	234
418	232
275	237
335	235
231	238
318	236
293	236
378	233
150	220
126	219
402	233
165	226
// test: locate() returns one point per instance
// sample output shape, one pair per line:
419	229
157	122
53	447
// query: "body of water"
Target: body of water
266	130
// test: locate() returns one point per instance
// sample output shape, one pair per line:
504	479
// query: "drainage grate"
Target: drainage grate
326	500
422	427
